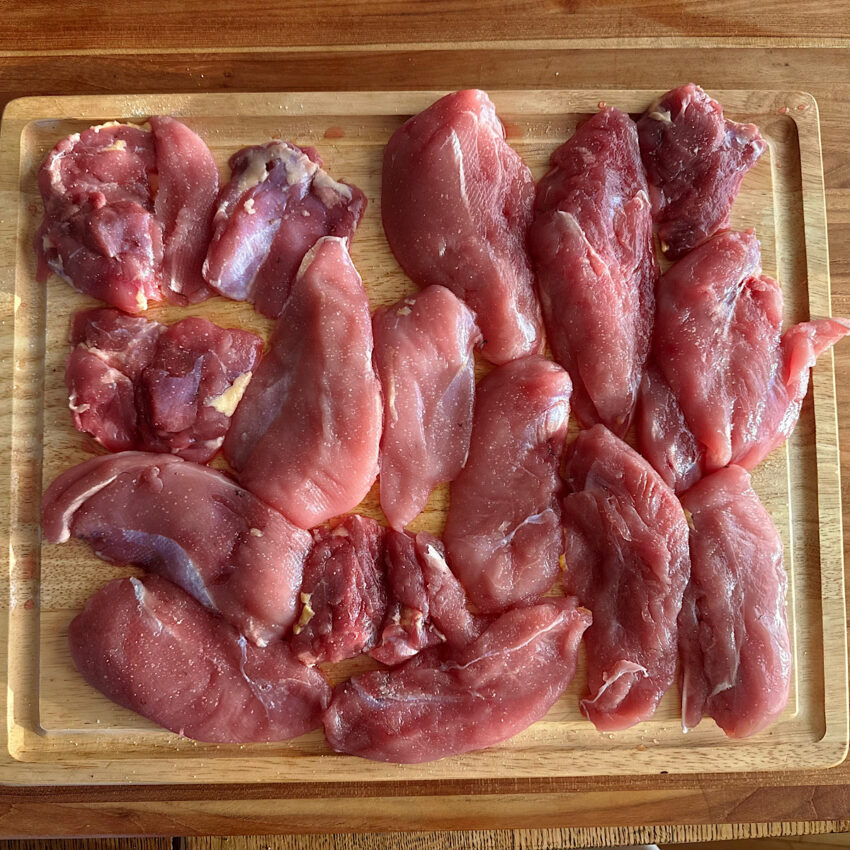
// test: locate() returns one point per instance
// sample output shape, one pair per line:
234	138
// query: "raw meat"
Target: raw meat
423	356
445	702
733	635
343	595
151	648
591	241
190	524
503	530
127	213
695	161
456	205
626	560
137	384
725	386
278	203
305	437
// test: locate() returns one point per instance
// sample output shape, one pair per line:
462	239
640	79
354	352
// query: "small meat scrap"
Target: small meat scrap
456	205
305	438
626	560
726	385
695	162
188	523
448	701
127	213
150	647
733	635
138	384
343	594
591	241
424	358
503	529
278	203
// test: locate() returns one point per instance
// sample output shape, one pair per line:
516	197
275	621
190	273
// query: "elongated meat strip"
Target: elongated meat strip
150	647
627	561
456	206
423	356
190	524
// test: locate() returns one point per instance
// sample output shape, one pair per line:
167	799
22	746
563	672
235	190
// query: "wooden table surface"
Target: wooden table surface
76	47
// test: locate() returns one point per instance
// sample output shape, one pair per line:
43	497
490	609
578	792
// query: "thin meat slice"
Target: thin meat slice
733	635
424	358
445	702
150	647
343	595
626	560
138	384
591	241
278	203
695	162
190	524
503	529
456	205
305	437
726	385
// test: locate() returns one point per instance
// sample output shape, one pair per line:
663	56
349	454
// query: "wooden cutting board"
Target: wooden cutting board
61	731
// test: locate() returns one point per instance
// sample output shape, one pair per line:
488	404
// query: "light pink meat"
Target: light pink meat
456	206
423	356
137	384
503	530
695	161
726	386
278	203
591	241
305	437
627	561
190	524
343	594
151	648
445	702
733	635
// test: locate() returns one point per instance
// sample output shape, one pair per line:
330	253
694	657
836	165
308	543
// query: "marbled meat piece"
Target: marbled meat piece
424	358
456	203
188	523
591	241
138	384
305	437
446	701
503	529
343	594
695	162
734	644
278	203
726	385
626	559
150	647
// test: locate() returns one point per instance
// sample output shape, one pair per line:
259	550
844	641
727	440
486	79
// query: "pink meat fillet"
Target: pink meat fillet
343	594
190	524
733	635
591	241
456	203
305	437
445	702
278	203
503	529
626	560
138	384
424	358
726	386
695	162
127	213
150	647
